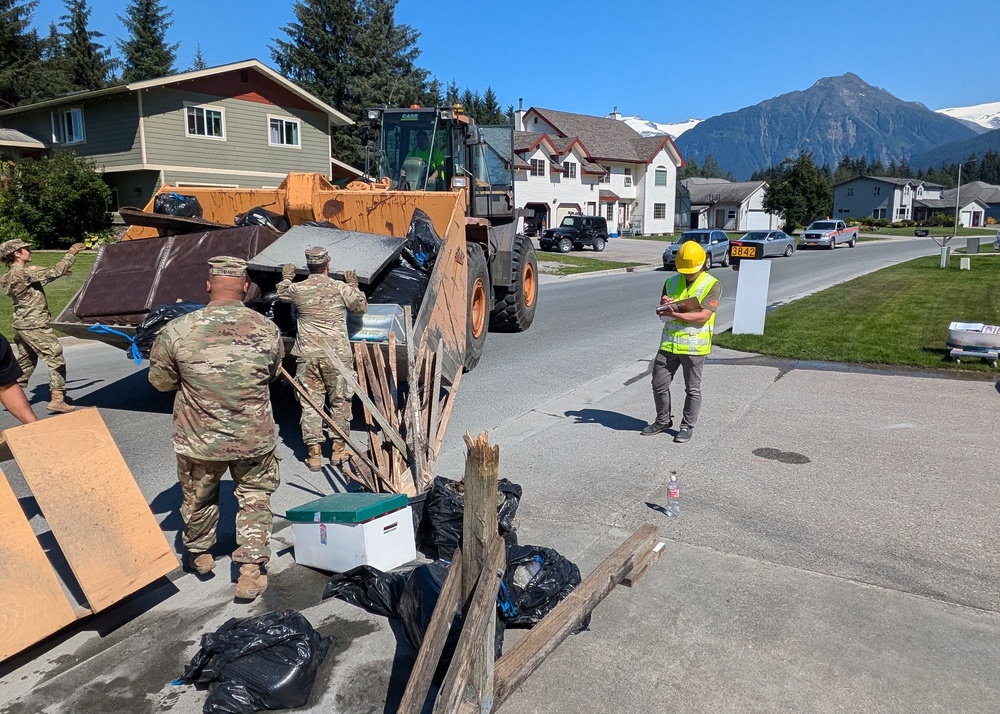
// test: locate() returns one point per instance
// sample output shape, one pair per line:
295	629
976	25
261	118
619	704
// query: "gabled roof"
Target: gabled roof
894	181
335	116
705	191
525	141
985	192
945	204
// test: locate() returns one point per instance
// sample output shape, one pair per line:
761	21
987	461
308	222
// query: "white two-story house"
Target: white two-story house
881	197
578	164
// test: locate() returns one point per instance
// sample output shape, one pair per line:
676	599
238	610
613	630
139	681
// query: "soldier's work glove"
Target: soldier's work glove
351	278
288	271
77	248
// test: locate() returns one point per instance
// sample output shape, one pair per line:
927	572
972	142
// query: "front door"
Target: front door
720	218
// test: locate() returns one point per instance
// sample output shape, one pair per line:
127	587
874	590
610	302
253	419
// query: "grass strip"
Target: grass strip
896	316
562	264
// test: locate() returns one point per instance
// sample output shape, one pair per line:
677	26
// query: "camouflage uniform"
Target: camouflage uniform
221	359
322	304
32	334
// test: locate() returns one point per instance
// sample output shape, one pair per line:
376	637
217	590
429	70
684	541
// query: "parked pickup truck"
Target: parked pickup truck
829	234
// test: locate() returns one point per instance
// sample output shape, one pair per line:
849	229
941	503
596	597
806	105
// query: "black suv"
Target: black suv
576	232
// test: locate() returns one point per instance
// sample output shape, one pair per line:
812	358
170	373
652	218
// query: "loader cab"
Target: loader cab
441	149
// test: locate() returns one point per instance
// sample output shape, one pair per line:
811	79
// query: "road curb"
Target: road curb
545	278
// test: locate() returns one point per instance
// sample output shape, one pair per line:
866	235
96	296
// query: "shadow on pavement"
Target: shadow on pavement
612	420
131	393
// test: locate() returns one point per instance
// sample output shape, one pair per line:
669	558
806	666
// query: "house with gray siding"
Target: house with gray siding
237	125
717	203
880	197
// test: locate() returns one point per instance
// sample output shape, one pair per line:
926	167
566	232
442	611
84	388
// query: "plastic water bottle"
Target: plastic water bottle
524	573
673	497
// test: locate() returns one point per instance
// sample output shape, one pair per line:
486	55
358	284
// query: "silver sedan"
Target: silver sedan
773	242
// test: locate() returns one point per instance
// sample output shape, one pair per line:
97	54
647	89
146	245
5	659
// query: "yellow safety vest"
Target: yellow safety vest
682	338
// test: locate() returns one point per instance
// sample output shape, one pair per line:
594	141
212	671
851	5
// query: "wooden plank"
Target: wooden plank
348	377
90	499
434	640
413	403
394	386
32	602
378	456
530	651
435	412
479	533
446	415
644	563
478	630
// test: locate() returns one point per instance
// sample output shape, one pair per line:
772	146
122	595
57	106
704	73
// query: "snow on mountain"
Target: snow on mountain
986	115
652	128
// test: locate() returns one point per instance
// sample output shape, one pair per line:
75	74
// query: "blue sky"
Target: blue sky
661	59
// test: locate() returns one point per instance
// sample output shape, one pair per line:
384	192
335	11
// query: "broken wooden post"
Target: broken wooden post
479	530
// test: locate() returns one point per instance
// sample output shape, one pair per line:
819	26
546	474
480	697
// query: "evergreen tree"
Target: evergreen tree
89	63
53	76
352	55
199	59
799	191
146	54
20	51
451	94
710	169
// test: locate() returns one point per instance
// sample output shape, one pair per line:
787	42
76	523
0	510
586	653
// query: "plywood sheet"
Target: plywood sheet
90	499
32	603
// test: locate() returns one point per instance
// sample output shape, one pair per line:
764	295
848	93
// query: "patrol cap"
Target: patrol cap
227	266
9	247
317	256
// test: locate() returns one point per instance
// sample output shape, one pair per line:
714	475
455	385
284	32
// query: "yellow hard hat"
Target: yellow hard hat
690	257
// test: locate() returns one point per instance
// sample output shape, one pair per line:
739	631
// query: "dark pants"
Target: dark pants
664	368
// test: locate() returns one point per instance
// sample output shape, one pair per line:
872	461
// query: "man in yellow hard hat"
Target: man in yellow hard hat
686	340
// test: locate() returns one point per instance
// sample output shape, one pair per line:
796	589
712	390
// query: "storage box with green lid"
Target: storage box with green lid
345	530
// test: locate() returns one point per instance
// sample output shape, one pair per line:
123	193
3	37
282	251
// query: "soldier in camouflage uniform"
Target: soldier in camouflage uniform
322	304
220	359
32	335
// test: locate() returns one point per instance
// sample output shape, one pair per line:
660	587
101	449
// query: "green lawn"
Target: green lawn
563	264
895	316
936	231
59	292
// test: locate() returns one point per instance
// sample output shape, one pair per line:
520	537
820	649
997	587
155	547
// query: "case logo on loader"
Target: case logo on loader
409	117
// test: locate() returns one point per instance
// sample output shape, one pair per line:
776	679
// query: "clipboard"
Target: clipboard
691	304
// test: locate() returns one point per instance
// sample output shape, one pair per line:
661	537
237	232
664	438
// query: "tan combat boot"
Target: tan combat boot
252	582
340	454
201	563
58	405
315	458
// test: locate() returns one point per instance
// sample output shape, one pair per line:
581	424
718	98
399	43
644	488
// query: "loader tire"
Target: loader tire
478	317
514	306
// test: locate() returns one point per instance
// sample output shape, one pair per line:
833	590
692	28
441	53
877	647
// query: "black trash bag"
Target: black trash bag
537	579
422	242
260	216
401	286
156	319
258	663
420	596
368	588
445	507
174	204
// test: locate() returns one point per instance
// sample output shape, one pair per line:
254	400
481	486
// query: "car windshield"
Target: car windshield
698	237
570	221
822	226
755	235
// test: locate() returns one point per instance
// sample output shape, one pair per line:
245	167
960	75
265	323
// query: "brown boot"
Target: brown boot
201	563
58	405
340	454
252	582
315	458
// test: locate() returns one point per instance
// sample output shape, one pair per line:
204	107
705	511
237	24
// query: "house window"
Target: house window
570	169
606	178
659	210
67	126
609	212
906	190
205	121
850	192
628	177
900	213
878	213
283	132
660	178
878	190
538	167
731	214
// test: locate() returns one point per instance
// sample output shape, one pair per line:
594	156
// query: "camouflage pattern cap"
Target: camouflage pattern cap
317	256
9	247
228	266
